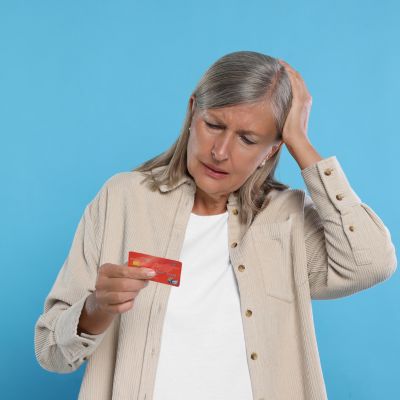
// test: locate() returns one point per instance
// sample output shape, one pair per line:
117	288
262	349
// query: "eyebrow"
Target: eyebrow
240	131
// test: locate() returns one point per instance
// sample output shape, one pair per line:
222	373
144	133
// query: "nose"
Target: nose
221	147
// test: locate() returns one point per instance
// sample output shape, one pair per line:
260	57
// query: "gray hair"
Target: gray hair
241	77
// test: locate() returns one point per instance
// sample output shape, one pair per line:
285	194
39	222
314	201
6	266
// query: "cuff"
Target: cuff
328	187
71	344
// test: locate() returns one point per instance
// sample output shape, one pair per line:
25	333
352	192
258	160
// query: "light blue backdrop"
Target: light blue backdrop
92	88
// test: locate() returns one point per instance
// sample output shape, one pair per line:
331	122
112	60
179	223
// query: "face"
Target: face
240	137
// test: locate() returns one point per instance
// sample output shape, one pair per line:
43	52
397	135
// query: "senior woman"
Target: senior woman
254	253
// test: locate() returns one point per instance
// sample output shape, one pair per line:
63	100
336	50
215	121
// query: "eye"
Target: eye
244	138
247	141
212	126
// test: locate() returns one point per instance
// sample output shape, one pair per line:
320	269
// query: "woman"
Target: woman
254	253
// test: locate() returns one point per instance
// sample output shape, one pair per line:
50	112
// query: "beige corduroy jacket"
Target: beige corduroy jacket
300	247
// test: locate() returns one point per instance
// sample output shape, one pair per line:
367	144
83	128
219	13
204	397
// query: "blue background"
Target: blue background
92	88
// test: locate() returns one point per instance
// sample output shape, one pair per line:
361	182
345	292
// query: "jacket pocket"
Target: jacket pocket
272	247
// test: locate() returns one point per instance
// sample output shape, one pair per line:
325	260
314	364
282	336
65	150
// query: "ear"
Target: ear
274	149
192	102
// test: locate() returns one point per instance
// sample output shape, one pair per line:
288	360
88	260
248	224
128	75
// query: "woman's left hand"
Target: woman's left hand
296	124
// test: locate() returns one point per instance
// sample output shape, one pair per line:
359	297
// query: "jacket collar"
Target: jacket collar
184	179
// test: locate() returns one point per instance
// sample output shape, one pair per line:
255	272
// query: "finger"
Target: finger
290	69
123	271
294	74
286	65
120	308
113	298
290	72
122	284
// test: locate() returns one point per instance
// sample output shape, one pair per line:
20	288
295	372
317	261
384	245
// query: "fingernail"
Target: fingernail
150	273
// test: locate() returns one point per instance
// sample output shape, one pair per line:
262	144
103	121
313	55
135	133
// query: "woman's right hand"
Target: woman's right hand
116	288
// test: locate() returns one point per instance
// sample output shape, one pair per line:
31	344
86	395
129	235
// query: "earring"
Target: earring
262	164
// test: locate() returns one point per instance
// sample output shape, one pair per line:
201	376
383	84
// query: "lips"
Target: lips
215	169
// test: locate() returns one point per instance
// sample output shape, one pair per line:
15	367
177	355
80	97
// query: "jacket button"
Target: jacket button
328	171
253	356
235	211
241	268
248	313
351	227
69	365
339	196
234	244
84	344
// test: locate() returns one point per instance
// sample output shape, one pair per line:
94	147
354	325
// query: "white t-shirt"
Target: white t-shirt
203	354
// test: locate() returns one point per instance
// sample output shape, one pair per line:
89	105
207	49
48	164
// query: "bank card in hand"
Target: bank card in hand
168	271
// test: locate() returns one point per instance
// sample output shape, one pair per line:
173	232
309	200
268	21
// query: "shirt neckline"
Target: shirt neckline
209	216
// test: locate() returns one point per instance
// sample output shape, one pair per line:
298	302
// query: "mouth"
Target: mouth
217	172
214	169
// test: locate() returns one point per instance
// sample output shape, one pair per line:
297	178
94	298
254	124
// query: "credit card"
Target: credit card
168	271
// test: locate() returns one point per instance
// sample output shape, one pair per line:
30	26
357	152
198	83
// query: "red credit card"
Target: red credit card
168	271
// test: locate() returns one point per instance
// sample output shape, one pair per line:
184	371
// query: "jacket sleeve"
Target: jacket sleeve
348	247
58	347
